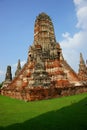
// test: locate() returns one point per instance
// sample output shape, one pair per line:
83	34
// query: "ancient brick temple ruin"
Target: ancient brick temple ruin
46	73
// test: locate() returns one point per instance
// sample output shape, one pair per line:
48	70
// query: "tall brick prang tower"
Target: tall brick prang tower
46	74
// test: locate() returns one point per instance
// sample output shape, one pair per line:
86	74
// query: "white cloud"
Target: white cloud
77	40
82	18
80	3
73	45
66	34
81	13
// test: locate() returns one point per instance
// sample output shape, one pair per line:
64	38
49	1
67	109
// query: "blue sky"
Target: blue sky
17	19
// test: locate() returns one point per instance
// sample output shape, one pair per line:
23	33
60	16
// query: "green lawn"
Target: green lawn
66	113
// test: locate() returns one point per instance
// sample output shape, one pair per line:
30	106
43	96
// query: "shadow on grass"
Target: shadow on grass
73	117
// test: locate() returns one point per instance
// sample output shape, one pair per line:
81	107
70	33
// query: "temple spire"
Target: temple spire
18	68
8	76
44	31
81	59
82	65
82	69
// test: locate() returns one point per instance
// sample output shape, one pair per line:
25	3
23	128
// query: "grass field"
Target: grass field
66	113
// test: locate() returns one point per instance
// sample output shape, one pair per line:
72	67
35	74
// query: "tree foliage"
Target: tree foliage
0	85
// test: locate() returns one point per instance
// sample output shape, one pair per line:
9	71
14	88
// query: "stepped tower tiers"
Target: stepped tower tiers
82	70
46	73
44	31
44	39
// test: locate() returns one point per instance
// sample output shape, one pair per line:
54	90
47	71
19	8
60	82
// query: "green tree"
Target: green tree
0	85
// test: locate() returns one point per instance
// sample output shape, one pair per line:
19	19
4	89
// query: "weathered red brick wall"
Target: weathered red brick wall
41	93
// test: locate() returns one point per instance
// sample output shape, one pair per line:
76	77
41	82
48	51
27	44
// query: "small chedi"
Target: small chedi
46	74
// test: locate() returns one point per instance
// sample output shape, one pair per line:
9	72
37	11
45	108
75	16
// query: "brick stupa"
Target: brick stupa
46	74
